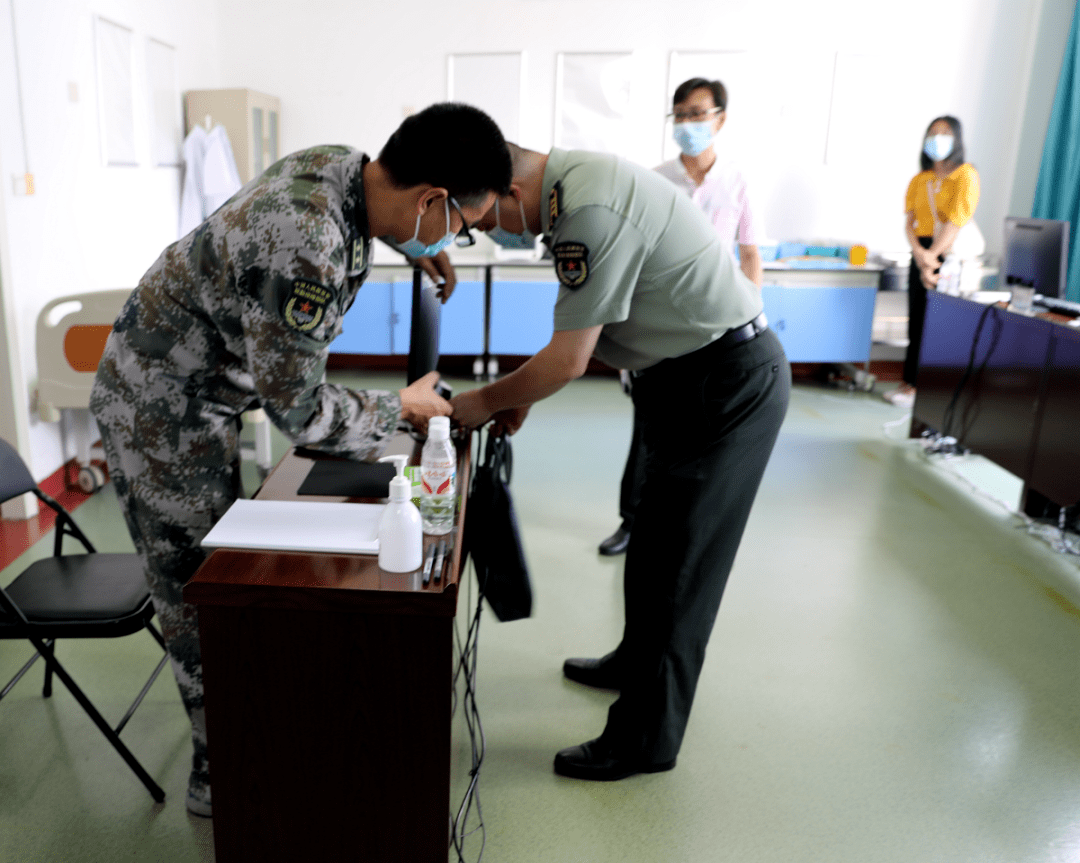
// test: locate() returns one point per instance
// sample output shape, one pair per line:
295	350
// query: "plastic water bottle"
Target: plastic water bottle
949	276
438	478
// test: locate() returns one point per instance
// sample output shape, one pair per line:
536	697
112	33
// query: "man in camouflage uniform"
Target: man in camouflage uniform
239	314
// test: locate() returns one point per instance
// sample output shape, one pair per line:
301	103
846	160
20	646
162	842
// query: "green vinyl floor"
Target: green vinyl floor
894	675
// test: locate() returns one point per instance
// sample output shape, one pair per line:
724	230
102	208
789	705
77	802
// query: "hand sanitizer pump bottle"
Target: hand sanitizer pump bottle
401	538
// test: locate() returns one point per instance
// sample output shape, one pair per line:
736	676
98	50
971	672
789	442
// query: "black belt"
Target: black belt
734	336
742	334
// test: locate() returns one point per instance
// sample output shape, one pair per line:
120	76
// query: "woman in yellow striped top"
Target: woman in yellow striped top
941	199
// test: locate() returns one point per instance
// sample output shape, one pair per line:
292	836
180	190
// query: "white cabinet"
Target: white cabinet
251	119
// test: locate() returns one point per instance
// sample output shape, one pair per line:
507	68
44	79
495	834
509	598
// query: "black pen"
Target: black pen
439	559
429	557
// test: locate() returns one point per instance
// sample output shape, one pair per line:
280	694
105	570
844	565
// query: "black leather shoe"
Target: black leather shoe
596	761
602	673
616	543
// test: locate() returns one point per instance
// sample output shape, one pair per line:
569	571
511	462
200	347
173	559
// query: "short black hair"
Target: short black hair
451	145
956	157
718	90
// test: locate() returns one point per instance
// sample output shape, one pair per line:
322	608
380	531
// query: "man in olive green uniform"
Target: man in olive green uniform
239	314
647	286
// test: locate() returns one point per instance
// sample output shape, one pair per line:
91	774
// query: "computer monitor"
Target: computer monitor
1036	255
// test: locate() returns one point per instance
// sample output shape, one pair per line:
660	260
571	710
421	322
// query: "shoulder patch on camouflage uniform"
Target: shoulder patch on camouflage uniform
554	202
357	256
305	305
571	264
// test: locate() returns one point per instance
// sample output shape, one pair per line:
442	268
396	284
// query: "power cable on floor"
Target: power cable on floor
893	424
1055	533
465	670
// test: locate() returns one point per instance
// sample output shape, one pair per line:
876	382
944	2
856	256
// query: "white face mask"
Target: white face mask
413	248
939	147
693	138
502	237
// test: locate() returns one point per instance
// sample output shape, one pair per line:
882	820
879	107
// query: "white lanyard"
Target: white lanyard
932	188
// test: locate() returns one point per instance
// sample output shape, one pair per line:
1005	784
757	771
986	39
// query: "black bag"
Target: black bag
491	535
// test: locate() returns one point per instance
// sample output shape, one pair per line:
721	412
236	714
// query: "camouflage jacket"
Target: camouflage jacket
239	314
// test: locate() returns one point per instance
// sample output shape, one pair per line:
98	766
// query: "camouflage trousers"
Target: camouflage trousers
169	506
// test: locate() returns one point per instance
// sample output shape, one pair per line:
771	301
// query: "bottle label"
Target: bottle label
438	478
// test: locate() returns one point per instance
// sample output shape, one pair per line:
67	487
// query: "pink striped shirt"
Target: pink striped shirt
723	198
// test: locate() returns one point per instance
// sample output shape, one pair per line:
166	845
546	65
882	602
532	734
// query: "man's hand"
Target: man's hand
562	360
509	420
441	272
420	402
470	409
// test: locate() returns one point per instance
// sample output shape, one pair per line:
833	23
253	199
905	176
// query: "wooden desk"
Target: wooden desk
328	697
1018	406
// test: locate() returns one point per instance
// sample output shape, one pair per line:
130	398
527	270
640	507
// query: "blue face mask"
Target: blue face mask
693	138
413	248
502	237
938	147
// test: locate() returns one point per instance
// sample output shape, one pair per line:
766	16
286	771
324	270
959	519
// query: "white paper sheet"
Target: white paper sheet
166	129
592	101
492	82
286	525
115	99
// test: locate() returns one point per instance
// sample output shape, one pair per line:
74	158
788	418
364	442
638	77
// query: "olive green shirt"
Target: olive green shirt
634	254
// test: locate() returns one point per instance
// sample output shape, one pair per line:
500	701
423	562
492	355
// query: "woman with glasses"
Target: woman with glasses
941	199
719	189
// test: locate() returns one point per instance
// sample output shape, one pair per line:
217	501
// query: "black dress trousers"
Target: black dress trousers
916	316
709	421
633	477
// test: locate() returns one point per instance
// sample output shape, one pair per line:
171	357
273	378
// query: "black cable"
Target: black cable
949	415
468	661
465	669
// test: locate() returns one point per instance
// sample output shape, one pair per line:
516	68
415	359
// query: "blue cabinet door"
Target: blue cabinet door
400	316
772	297
821	325
461	328
365	329
461	319
522	316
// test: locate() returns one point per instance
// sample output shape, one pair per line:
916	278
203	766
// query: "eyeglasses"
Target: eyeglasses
694	116
463	239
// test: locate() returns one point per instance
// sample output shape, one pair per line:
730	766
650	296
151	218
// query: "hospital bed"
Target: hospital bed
71	335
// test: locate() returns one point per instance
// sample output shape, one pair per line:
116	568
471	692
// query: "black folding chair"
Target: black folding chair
74	596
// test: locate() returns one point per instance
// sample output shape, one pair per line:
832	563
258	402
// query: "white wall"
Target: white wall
87	227
1048	48
370	62
347	71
